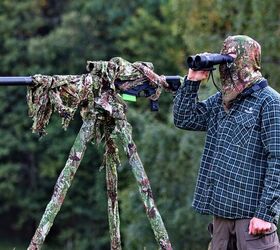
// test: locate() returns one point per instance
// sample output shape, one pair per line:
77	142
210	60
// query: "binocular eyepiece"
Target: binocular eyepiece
207	61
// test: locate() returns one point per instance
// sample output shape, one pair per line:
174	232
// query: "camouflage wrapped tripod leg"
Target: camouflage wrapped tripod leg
111	162
125	134
62	185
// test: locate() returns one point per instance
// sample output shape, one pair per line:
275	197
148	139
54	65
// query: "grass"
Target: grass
4	245
12	246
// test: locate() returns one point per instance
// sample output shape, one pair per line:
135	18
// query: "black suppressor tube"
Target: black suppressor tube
207	61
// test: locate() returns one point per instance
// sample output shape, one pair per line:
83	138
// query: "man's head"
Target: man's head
245	70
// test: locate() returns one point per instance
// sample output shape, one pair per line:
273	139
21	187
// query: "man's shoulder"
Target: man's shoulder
217	97
269	95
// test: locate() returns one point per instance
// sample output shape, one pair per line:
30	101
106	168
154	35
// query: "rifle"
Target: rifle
142	90
103	114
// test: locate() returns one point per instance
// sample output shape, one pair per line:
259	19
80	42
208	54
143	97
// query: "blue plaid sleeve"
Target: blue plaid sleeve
188	112
269	205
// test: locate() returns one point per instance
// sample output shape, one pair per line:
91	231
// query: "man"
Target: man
239	176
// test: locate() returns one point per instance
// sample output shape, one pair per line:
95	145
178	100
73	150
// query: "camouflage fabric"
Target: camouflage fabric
65	94
244	71
103	113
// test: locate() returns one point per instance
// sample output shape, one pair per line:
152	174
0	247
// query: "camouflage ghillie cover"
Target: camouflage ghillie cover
65	94
245	69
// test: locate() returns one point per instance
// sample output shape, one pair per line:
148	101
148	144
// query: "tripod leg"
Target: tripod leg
112	159
161	235
62	185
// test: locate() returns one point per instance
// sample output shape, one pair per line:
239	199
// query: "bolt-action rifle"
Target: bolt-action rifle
143	90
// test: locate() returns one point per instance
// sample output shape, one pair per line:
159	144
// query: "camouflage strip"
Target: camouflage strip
112	160
63	94
155	80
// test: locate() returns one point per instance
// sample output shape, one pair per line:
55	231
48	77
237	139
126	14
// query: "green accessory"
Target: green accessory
129	98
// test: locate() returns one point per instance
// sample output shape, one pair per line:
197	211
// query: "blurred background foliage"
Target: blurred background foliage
58	37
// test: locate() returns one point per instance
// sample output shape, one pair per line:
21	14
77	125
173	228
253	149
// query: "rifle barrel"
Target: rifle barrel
16	81
173	81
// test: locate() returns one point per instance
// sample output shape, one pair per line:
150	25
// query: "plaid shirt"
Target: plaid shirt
239	175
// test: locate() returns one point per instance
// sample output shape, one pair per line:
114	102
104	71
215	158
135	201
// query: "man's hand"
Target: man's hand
197	75
258	226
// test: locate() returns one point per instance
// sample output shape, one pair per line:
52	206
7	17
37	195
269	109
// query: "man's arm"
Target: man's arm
188	112
269	206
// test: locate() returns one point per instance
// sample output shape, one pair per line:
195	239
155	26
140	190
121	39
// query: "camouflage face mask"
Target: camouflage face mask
245	69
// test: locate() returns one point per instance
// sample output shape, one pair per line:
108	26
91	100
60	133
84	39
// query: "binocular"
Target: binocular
207	61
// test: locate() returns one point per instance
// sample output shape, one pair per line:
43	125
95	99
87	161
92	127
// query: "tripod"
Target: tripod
103	114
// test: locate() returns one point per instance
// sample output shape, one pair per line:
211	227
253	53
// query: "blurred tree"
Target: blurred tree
57	37
205	24
29	167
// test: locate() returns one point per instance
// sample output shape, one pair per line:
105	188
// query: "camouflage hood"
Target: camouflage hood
244	71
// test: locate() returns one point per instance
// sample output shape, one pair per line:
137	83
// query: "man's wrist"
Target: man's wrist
266	214
193	79
191	86
188	81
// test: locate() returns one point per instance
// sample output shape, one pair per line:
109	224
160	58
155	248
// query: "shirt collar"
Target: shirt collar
254	89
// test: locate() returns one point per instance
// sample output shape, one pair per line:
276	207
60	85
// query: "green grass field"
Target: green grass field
20	246
11	246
